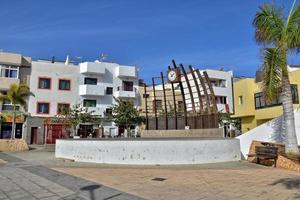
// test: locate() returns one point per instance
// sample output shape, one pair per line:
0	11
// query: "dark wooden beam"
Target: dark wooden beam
146	106
212	94
192	71
174	103
155	109
189	87
204	91
165	100
183	96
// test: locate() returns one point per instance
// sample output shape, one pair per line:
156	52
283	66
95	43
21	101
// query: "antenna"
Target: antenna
103	56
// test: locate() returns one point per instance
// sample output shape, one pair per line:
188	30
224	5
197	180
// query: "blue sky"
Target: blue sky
204	33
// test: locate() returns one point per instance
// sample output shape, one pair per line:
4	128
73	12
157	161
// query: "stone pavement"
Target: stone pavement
218	181
37	174
26	180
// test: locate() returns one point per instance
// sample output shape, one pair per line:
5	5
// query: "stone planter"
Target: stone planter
13	145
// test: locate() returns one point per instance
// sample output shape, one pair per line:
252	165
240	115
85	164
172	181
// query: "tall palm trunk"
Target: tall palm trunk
13	132
289	118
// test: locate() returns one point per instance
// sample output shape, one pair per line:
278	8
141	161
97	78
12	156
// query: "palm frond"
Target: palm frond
293	30
269	25
272	70
4	97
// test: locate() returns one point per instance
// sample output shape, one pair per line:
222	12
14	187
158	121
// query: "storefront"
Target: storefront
6	124
54	129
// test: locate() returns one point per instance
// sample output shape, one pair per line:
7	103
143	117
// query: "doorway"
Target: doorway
34	134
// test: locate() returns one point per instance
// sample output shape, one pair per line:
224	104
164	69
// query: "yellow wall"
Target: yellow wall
248	123
245	88
250	118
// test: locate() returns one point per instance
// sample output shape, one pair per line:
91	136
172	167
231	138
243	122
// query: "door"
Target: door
53	132
34	131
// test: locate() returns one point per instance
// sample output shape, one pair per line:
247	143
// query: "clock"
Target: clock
173	75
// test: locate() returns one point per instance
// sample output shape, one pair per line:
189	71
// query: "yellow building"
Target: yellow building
250	106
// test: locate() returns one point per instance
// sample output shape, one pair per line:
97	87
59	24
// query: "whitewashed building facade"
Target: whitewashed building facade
59	85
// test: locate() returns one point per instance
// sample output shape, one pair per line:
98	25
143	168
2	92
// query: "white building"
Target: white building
14	69
222	87
58	85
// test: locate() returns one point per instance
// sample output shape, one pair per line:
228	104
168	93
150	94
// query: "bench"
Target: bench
266	153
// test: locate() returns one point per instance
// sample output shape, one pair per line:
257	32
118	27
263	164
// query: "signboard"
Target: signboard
7	116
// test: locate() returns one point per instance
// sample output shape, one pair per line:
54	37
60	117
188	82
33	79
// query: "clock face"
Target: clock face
172	75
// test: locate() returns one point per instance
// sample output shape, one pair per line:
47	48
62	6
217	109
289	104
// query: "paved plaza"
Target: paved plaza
38	175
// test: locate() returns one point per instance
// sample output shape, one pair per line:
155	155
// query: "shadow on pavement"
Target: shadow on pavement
289	183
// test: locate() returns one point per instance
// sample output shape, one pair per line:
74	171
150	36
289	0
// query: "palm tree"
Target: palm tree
17	95
279	36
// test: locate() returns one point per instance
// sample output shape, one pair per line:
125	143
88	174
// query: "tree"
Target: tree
17	94
77	115
279	37
224	118
125	114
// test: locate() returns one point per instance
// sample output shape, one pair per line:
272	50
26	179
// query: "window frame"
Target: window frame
89	100
44	77
64	79
112	90
129	88
61	103
84	81
276	102
9	68
37	108
240	100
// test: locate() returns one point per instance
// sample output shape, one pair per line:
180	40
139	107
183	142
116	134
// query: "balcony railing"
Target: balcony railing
91	90
92	68
125	92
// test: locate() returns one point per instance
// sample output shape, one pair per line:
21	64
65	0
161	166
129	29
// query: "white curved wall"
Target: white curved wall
271	131
149	151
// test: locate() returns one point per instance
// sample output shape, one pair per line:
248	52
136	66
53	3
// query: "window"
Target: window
157	104
43	108
222	83
9	71
261	103
89	103
90	81
108	111
64	84
222	100
109	90
44	83
218	82
127	85
62	108
240	100
180	106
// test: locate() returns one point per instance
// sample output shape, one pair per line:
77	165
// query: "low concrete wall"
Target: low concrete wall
149	151
205	133
13	145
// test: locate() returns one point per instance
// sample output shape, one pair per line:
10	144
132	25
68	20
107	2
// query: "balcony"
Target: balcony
6	82
91	90
126	72
121	93
92	68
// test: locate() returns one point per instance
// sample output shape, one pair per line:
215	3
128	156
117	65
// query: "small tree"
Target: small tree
77	115
17	95
224	118
125	114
